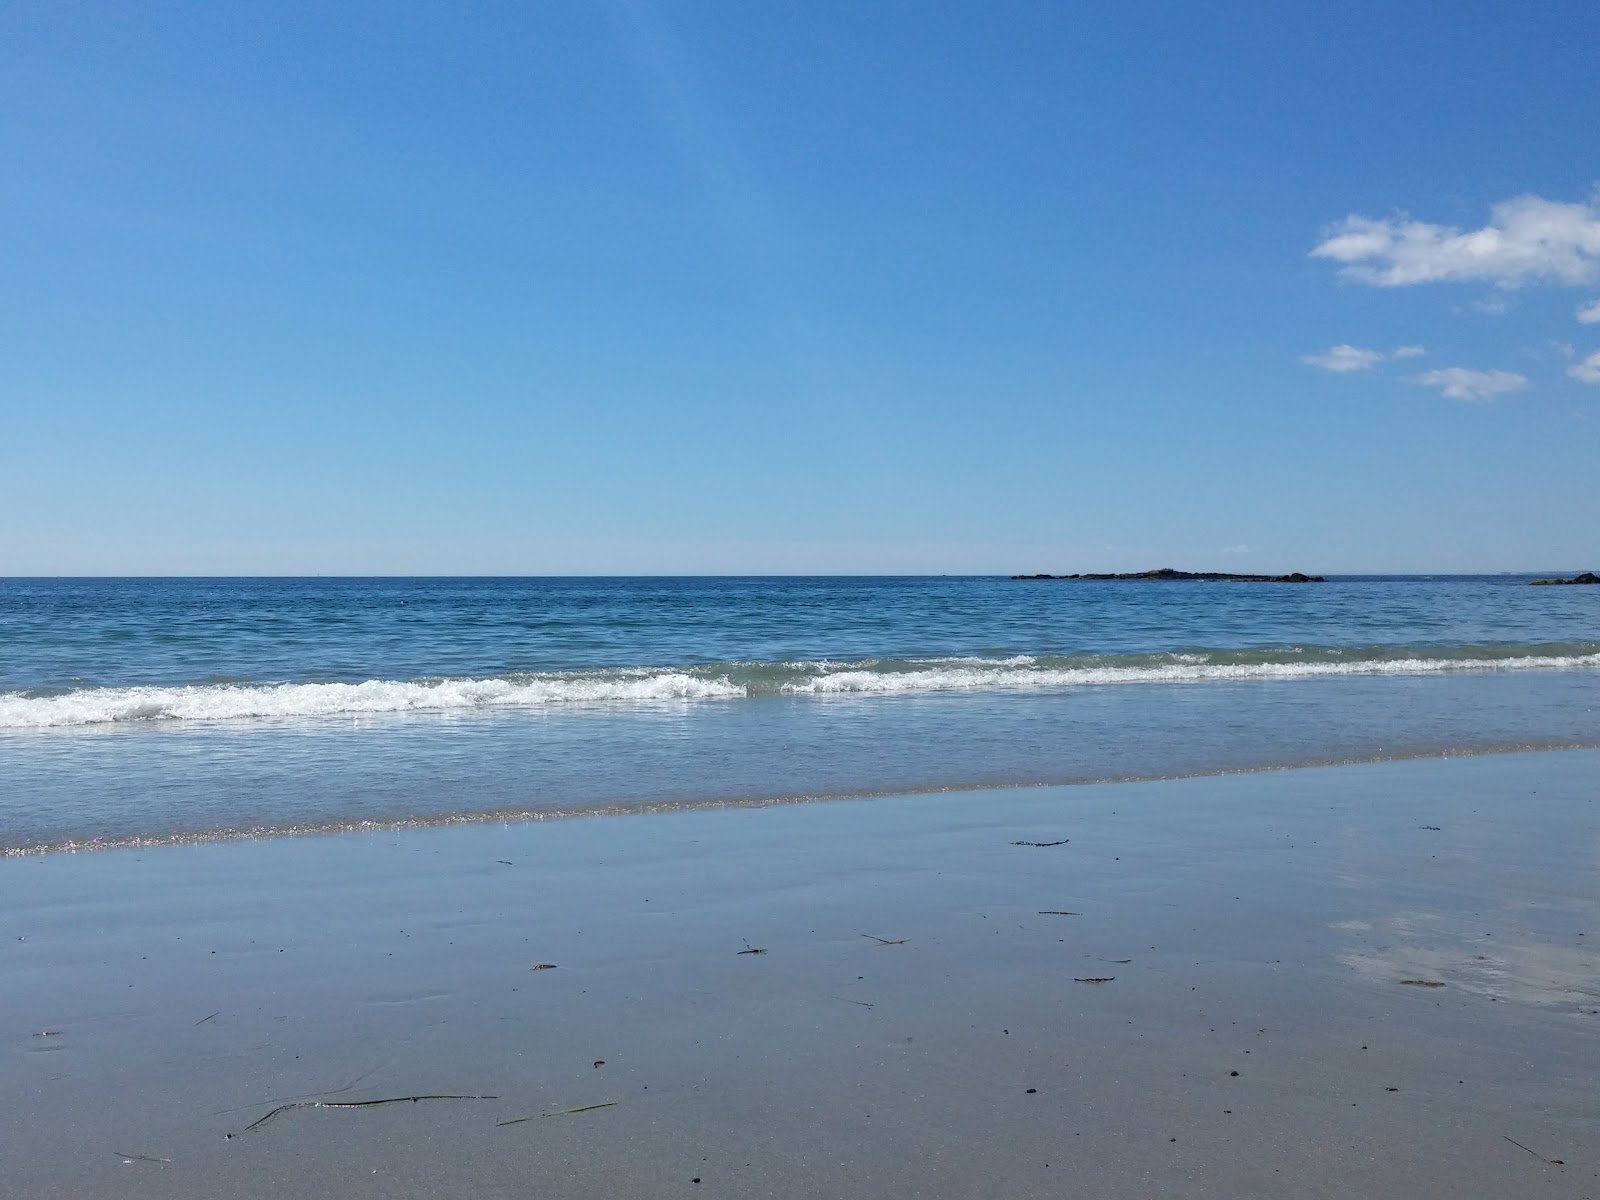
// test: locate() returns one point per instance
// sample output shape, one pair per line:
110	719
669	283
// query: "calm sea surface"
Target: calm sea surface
145	710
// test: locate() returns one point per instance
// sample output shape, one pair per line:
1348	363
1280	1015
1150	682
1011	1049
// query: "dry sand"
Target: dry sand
1254	1036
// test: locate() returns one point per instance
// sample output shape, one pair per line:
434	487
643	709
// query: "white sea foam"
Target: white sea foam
1185	669
98	706
236	702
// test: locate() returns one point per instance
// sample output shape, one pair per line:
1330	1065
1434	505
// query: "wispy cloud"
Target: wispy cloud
1589	314
1528	239
1587	371
1495	304
1475	387
1241	548
1343	358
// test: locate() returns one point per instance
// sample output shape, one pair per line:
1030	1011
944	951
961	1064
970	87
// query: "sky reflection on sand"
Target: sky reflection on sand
1491	953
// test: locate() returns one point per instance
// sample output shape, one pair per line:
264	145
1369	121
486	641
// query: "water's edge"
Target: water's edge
578	812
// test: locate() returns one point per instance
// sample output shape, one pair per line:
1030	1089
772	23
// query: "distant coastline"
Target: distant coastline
1586	577
1167	574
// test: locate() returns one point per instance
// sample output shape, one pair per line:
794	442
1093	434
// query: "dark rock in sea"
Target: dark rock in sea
1168	574
1586	577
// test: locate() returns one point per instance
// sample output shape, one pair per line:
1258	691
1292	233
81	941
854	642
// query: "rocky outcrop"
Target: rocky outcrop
1166	574
1586	577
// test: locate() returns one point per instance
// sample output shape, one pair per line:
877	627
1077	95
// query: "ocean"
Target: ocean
142	711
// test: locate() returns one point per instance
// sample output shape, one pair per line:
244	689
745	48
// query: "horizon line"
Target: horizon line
752	575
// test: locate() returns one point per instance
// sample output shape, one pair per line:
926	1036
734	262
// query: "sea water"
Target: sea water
135	711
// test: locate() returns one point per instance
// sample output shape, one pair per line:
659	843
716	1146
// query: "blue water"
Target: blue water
140	710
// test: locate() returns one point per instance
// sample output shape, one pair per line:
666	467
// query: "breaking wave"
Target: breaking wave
217	702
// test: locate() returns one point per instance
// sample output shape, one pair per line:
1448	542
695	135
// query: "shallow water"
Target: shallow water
150	710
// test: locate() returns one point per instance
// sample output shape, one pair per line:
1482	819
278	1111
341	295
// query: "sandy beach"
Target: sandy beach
1376	980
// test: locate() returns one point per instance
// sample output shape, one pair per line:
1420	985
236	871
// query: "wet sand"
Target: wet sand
916	1023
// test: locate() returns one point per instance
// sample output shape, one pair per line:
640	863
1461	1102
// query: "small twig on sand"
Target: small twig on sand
542	967
847	1000
203	1020
749	949
1057	912
338	1091
1062	842
565	1112
354	1104
1093	979
1420	983
1554	1162
886	941
126	1157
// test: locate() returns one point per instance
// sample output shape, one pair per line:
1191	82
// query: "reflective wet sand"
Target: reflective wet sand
1200	987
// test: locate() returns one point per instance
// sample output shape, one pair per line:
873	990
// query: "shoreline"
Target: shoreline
530	816
923	1018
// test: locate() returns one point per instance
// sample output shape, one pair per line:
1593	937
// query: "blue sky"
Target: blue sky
684	287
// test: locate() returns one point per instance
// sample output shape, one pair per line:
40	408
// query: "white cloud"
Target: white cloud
1528	240
1475	387
1587	371
1343	358
1241	548
1589	314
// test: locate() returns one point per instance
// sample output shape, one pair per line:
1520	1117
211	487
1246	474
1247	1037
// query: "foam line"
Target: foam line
205	703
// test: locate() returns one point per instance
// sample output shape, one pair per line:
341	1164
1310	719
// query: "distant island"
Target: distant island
1586	577
1166	574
